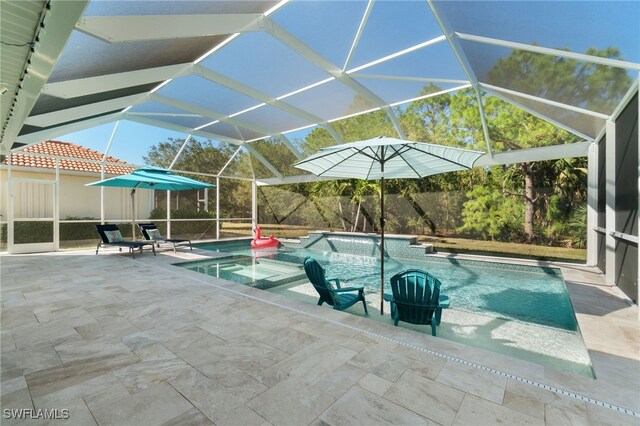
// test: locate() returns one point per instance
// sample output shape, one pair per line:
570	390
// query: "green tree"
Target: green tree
331	188
278	154
489	214
204	156
198	156
564	80
429	119
361	189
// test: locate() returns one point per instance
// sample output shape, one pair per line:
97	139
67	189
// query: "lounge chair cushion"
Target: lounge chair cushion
154	234
114	236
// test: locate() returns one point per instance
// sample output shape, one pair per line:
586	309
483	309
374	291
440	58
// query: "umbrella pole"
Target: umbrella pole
133	214
382	242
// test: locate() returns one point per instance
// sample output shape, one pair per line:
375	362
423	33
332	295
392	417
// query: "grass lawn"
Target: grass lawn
529	251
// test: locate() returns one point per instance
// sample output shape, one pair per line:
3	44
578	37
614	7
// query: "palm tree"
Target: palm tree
332	188
362	188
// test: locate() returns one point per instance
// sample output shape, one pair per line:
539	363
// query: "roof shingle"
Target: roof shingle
74	153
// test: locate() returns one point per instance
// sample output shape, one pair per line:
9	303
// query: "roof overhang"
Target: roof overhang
47	39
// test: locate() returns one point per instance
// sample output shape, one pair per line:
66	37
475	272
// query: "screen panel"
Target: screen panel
263	63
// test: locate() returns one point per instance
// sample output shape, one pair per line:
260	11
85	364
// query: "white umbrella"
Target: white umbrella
387	157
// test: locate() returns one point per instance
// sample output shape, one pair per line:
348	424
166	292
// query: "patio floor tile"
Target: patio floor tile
478	411
154	405
430	399
154	344
361	407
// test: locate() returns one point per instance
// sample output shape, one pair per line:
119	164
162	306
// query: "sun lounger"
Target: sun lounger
110	235
151	232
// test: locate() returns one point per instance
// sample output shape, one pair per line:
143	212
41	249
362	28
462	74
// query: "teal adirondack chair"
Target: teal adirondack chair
416	298
340	298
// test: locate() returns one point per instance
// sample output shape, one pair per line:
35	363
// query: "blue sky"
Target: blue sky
131	141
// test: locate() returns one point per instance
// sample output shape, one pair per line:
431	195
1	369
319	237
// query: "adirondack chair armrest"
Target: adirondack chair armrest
388	297
336	280
344	289
443	301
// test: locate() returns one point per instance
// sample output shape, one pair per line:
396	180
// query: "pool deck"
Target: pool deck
134	342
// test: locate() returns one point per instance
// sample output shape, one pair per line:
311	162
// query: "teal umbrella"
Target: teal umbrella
391	158
151	178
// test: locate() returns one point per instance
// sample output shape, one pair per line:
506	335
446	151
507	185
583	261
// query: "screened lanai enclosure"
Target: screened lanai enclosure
267	83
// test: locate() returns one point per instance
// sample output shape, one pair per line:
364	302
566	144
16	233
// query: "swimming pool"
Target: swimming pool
528	307
524	293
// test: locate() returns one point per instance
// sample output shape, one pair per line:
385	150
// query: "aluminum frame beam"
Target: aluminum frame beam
205	112
263	160
178	128
356	39
610	202
394	55
592	204
285	140
263	97
418	79
543	153
117	29
542	116
315	58
568	107
466	67
179	153
548	51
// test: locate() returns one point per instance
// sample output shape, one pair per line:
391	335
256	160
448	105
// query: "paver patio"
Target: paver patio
122	341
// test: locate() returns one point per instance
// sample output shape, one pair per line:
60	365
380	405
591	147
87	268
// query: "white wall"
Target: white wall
76	200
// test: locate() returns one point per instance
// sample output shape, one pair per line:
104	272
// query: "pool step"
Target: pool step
231	268
425	248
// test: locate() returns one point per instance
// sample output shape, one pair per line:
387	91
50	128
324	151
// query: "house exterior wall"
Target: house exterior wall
76	200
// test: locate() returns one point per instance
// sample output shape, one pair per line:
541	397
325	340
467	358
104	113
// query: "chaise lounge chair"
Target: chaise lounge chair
151	232
111	236
338	297
416	298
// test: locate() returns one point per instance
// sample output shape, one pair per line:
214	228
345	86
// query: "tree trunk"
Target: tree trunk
423	215
529	209
355	222
344	225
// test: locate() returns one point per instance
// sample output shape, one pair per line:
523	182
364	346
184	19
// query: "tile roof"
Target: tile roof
75	153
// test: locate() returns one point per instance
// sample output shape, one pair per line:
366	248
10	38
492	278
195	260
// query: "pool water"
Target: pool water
521	311
529	294
243	269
